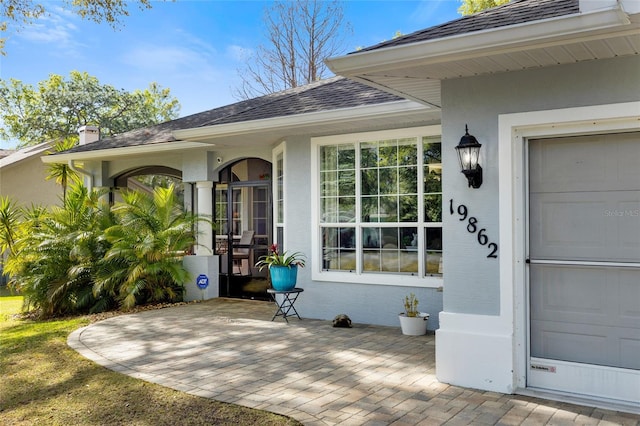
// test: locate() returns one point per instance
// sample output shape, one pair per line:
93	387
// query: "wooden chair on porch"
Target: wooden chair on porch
242	254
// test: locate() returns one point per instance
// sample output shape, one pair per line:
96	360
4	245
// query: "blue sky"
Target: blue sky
192	47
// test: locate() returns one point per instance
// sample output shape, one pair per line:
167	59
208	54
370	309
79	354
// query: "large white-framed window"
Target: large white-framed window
377	213
278	193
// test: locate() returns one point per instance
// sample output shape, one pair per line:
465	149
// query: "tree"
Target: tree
470	7
19	13
301	35
58	106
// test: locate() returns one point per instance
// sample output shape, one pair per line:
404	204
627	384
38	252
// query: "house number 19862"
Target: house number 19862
472	228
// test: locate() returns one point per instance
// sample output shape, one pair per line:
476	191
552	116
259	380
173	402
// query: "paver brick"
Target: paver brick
366	375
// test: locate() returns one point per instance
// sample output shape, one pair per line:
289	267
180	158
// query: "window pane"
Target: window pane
433	179
347	260
347	182
371	260
434	251
370	209
280	236
328	158
280	188
389	238
394	253
328	183
433	208
389	209
347	209
368	155
407	152
408	208
408	180
431	151
329	210
330	238
389	181
388	153
408	261
337	249
369	182
371	237
346	157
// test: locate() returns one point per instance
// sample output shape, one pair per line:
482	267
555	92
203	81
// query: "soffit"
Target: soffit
417	76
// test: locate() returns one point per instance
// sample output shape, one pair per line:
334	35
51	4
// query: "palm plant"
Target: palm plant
60	172
144	263
10	215
49	258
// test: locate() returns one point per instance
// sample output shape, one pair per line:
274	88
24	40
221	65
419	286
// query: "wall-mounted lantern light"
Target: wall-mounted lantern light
468	152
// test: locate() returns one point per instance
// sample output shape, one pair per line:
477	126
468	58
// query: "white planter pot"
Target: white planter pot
414	326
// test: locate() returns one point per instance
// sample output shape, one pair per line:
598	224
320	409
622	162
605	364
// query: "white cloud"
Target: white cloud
239	53
197	76
55	28
166	58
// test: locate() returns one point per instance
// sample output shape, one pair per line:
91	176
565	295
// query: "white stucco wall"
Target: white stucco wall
473	280
25	182
475	344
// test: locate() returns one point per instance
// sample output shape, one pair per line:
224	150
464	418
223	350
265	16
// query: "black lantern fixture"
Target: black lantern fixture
468	152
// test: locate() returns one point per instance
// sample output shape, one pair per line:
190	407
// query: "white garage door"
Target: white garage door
584	273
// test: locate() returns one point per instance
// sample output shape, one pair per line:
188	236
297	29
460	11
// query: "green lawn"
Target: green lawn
45	382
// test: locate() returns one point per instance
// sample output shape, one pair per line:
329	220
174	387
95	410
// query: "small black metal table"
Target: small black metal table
286	304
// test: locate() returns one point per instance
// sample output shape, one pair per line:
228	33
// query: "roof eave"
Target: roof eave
299	121
479	43
110	153
26	154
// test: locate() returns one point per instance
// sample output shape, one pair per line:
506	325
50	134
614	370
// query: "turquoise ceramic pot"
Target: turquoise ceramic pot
283	278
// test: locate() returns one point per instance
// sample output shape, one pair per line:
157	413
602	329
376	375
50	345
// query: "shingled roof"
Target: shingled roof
512	13
326	95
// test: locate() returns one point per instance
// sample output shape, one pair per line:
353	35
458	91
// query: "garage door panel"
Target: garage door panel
630	353
562	165
585	314
626	219
585	163
628	158
605	346
570	294
567	344
629	303
586	295
590	226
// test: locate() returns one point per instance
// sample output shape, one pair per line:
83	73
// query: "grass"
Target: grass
45	382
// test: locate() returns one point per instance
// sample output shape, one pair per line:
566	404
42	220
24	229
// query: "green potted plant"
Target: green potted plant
412	321
283	268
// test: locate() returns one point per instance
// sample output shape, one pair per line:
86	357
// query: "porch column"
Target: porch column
205	208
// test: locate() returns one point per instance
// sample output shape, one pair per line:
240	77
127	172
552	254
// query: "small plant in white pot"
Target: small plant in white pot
413	322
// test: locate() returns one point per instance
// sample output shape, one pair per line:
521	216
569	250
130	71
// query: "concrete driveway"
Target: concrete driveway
229	350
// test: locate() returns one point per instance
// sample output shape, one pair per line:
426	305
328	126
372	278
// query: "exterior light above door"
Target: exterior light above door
468	153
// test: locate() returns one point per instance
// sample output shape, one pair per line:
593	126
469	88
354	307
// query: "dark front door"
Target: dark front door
243	227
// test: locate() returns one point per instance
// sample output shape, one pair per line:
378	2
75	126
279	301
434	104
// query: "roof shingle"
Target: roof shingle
325	95
512	13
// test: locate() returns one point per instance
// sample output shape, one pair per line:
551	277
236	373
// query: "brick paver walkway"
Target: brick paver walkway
228	350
